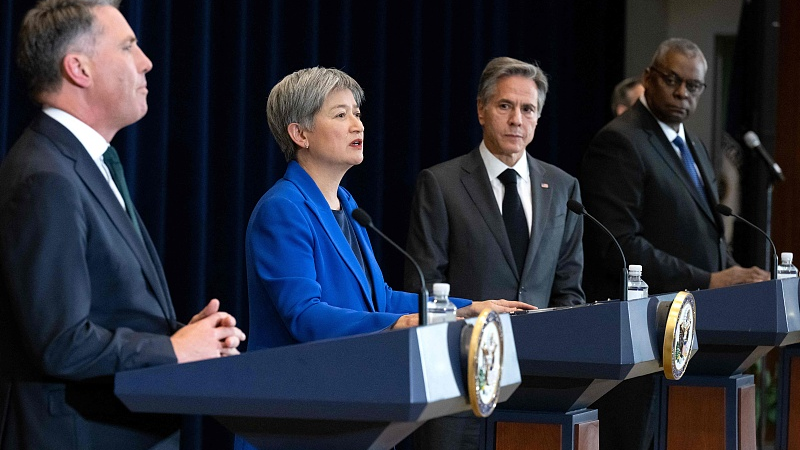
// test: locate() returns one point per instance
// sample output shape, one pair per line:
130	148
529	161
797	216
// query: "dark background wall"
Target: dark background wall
203	155
201	158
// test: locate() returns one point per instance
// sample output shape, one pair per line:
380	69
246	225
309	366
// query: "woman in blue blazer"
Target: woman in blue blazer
311	272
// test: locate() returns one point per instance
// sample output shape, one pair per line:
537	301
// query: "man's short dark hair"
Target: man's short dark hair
50	30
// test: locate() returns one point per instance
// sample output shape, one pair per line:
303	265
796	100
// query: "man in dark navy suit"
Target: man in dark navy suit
82	290
652	183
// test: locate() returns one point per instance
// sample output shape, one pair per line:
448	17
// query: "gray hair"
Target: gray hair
502	67
620	94
49	31
299	96
678	45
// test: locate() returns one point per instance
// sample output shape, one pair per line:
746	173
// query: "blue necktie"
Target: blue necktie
688	163
514	218
111	158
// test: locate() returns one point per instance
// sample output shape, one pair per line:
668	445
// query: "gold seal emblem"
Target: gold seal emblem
485	363
679	335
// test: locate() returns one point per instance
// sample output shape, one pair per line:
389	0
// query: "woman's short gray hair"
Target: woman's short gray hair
299	96
502	67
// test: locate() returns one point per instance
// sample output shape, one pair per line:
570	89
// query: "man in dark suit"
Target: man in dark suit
82	290
651	183
634	180
494	223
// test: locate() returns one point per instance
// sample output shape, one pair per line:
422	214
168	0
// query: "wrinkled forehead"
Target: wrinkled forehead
685	65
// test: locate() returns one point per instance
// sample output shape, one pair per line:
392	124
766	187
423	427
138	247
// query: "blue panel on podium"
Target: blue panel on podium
569	357
367	391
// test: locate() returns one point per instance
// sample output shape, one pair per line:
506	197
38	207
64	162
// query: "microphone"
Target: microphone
576	207
726	211
754	143
363	219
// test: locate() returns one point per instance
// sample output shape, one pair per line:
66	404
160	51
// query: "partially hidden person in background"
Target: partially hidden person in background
625	94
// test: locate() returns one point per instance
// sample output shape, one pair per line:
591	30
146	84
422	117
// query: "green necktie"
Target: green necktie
111	158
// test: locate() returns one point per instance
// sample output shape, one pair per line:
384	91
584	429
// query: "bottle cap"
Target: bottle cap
635	268
786	257
441	288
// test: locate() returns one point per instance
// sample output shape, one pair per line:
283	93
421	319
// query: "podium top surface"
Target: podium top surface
756	314
402	375
606	340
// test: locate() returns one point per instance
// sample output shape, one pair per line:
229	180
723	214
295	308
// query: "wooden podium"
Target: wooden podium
569	357
361	392
713	406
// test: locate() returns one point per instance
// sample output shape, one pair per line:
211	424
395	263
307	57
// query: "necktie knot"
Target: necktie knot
509	176
680	143
111	156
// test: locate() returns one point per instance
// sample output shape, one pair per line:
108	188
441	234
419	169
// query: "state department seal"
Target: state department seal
485	363
679	335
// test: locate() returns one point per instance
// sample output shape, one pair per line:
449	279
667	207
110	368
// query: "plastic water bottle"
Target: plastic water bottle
786	269
637	288
440	308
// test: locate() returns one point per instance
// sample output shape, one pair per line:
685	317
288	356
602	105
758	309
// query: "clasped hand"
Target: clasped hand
210	334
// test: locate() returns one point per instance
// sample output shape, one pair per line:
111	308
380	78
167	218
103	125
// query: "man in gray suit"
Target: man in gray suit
82	291
494	223
652	183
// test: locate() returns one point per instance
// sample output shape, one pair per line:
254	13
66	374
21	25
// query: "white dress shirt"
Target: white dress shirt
92	141
671	135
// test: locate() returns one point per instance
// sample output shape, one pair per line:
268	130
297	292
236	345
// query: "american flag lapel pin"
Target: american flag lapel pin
545	186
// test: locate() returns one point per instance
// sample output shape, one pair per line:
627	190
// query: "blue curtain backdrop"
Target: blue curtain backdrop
203	155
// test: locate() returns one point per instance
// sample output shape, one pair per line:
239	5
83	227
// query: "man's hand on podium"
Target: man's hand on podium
210	334
498	306
737	275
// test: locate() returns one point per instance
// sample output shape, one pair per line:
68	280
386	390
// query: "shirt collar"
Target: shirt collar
94	143
495	167
668	131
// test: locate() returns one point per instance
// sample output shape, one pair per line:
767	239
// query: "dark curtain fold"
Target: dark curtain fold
203	155
752	102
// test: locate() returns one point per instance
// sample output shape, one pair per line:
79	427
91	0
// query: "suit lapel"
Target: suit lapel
707	173
319	207
541	196
476	182
369	258
667	153
96	184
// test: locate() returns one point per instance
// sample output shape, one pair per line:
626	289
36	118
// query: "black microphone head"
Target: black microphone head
723	209
576	207
362	217
751	139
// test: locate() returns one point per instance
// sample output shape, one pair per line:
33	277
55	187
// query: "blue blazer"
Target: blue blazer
303	279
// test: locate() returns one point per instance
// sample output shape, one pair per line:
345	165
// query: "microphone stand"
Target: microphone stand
768	226
363	219
577	208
